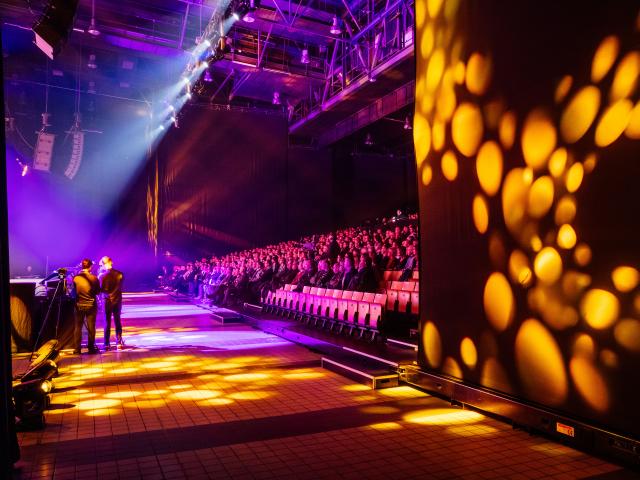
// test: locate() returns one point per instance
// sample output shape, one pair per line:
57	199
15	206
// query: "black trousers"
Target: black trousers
86	316
112	309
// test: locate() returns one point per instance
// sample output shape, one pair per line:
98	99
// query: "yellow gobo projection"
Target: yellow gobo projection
528	169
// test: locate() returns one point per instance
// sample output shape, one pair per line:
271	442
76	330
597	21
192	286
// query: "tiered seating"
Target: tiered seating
402	297
335	310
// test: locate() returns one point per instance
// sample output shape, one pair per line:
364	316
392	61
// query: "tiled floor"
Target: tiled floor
189	399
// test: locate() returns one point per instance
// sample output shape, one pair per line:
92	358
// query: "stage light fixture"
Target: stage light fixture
30	400
207	76
92	62
44	146
335	26
305	57
407	124
54	26
93	30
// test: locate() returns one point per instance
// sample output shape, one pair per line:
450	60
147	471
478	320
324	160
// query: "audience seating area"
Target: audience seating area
345	311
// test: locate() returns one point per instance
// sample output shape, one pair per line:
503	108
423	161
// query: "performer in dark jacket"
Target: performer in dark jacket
112	288
86	287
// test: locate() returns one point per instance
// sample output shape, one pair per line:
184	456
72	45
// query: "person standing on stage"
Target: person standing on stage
86	287
112	288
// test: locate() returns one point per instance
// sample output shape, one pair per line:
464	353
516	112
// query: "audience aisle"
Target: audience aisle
233	402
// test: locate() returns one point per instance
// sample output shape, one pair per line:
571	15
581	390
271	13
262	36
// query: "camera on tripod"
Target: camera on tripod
62	273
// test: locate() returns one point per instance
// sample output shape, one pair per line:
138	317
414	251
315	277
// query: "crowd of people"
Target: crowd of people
348	259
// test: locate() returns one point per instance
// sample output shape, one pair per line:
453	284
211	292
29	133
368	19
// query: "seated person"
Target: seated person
322	276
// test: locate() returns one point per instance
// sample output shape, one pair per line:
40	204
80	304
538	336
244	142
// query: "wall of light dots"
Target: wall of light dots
527	141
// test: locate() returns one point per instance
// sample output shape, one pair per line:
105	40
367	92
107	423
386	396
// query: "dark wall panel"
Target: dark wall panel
527	135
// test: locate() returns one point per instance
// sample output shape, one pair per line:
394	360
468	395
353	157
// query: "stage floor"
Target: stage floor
192	398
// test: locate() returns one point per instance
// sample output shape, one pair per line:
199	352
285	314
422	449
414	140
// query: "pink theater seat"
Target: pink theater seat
416	275
321	292
375	315
392	298
387	274
408	286
357	296
288	287
397	286
343	306
329	292
313	291
306	289
381	299
396	275
415	303
352	310
347	294
363	313
337	294
403	301
368	297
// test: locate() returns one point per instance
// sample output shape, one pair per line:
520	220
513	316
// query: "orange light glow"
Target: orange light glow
519	268
540	364
498	301
451	367
604	57
478	74
438	135
538	138
625	278
633	129
548	266
613	122
562	89
480	213
507	130
558	162
427	175
589	383
599	308
443	416
432	344
540	197
449	166
514	199
627	334
421	138
489	167
468	353
467	128
566	237
495	376
579	114
626	76
574	177
584	346
582	254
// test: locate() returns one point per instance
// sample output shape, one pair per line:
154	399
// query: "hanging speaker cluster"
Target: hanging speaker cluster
54	26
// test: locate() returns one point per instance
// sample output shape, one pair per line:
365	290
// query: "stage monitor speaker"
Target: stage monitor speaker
53	28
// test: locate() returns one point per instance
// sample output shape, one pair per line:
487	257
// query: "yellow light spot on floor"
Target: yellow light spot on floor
579	114
538	138
196	394
613	122
386	426
498	301
251	395
96	404
540	364
467	128
379	409
443	416
124	394
604	57
489	167
548	266
599	308
356	388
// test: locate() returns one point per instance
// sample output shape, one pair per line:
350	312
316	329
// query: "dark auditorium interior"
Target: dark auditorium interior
320	239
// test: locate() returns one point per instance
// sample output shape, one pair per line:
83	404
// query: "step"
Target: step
374	379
